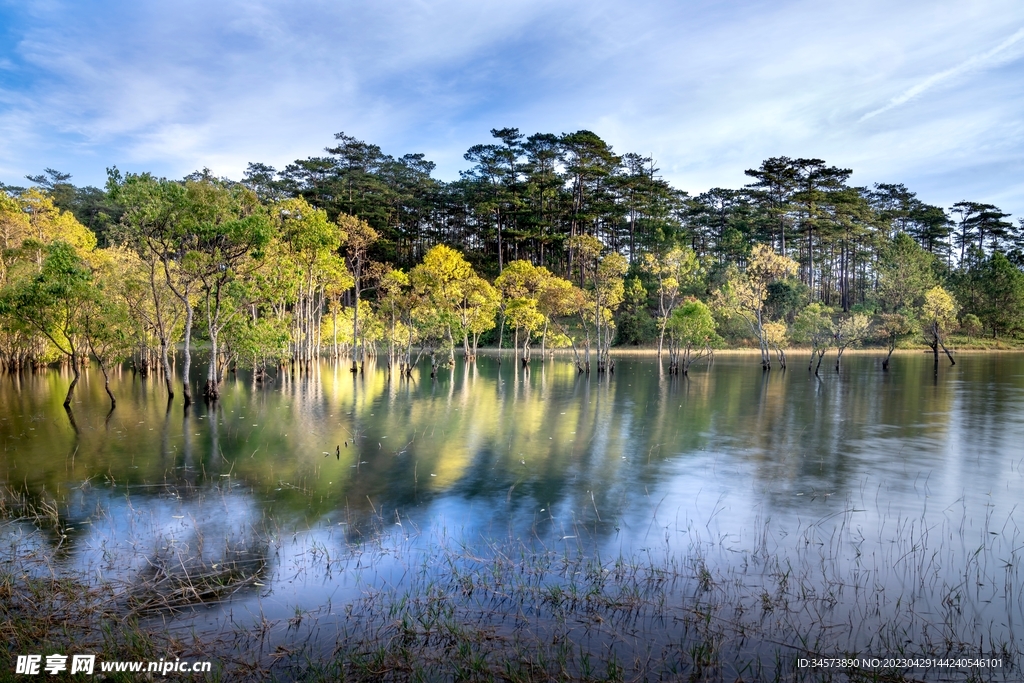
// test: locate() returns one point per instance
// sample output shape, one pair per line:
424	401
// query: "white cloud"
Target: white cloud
707	88
975	62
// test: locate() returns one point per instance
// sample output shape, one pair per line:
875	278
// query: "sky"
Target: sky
929	93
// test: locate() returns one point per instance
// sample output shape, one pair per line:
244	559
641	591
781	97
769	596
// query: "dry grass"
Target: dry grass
515	610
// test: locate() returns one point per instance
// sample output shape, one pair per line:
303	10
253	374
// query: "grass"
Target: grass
46	609
536	610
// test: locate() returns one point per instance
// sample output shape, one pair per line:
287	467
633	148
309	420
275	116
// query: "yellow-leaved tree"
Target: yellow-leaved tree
674	272
745	293
937	315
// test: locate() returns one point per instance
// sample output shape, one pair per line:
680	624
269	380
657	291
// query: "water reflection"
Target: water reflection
549	433
616	464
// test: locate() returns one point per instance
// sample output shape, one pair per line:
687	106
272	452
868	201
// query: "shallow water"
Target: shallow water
875	489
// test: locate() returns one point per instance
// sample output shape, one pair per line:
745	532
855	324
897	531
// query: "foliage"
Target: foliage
745	293
905	273
939	309
1002	302
359	248
691	327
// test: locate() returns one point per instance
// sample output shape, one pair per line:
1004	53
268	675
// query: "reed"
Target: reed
437	605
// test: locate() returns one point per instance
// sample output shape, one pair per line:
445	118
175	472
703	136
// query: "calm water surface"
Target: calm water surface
848	474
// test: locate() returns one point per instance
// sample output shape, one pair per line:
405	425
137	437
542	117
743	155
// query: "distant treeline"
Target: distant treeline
549	239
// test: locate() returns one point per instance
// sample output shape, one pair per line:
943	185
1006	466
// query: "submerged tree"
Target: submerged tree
603	275
152	224
476	310
937	315
54	302
224	228
849	330
745	294
775	335
357	237
894	327
106	320
691	334
813	325
674	272
443	280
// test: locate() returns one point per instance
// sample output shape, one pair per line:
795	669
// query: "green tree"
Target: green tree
357	237
971	325
224	228
675	272
849	330
107	318
394	307
153	225
776	183
691	333
523	316
477	306
745	294
776	335
604	273
54	302
894	327
518	286
443	279
311	244
635	325
1002	288
813	325
905	273
556	298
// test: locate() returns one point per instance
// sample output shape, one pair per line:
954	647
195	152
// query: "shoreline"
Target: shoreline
743	351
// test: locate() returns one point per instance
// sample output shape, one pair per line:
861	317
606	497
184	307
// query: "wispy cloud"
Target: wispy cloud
976	62
707	89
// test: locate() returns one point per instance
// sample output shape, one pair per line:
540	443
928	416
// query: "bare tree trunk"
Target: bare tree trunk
501	335
948	354
106	383
167	368
355	329
186	362
892	347
74	381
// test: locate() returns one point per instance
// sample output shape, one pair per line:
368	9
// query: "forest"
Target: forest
547	241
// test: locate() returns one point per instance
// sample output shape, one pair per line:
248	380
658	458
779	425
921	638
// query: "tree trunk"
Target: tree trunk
501	336
167	369
74	381
186	362
885	363
948	354
211	391
355	329
106	384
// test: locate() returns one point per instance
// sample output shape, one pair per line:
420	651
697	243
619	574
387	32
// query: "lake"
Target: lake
866	513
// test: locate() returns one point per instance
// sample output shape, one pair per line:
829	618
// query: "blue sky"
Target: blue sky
928	93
